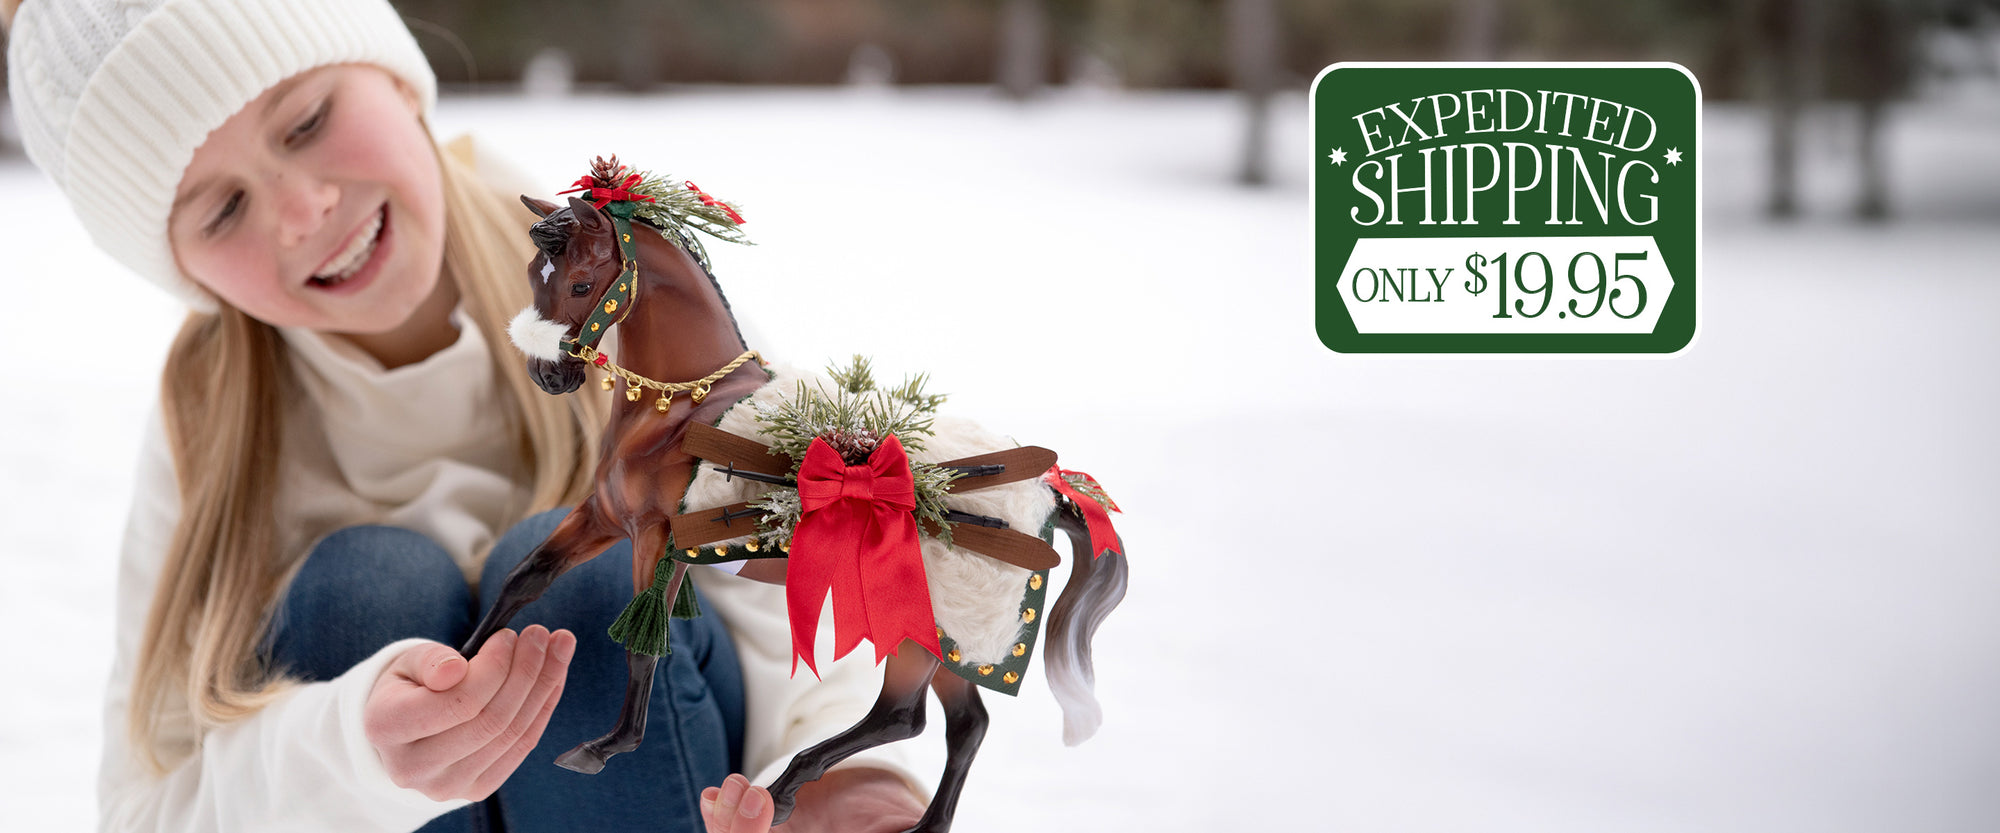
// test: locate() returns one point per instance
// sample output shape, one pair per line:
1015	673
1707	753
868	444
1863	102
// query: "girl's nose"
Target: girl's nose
304	203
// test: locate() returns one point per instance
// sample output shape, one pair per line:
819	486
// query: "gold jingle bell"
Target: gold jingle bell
632	393
607	383
661	405
699	393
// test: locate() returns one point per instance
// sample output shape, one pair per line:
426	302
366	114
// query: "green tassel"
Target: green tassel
642	628
685	605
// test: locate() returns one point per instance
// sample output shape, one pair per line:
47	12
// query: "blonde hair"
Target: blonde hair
223	393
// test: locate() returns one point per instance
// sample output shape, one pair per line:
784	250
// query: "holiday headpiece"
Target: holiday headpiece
674	209
114	96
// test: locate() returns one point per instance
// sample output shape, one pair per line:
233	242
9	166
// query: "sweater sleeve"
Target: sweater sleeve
785	714
302	763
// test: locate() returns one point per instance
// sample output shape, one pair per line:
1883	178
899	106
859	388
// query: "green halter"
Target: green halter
617	302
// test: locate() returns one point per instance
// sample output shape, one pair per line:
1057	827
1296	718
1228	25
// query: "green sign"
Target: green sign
1507	208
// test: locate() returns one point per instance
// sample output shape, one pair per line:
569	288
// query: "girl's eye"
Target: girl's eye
310	125
579	289
228	210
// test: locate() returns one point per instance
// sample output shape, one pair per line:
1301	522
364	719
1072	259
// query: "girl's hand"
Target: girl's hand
843	801
456	729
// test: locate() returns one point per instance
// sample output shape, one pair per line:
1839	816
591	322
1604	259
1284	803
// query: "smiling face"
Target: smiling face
317	205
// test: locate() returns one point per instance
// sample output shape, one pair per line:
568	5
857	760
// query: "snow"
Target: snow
1749	588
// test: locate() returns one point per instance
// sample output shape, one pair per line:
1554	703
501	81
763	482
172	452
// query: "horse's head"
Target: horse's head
576	262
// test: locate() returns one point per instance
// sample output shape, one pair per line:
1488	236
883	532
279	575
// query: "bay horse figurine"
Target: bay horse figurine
605	264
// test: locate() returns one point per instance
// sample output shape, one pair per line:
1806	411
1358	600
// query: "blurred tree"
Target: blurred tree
1024	48
1779	31
1874	40
1254	65
1476	31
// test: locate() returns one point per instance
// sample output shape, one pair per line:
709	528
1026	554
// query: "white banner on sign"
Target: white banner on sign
1506	285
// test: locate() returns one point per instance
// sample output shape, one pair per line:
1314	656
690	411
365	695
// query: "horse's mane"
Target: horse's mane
552	233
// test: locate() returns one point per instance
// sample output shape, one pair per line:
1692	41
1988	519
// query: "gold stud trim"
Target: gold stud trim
953	655
1035	582
986	671
721	550
693	553
1010	678
751	545
1020	648
1028	616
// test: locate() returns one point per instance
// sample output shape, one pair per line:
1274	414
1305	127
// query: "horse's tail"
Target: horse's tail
1096	585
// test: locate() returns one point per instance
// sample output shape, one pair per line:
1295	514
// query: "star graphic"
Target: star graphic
1338	156
1673	156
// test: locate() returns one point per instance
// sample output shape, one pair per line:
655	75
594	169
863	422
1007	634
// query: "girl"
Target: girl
346	459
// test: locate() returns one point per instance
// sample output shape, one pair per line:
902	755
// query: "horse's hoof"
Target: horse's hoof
584	758
782	801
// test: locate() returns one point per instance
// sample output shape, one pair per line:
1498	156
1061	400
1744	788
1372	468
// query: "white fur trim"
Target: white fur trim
976	599
538	337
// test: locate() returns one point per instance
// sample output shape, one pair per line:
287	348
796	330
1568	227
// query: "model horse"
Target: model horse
596	268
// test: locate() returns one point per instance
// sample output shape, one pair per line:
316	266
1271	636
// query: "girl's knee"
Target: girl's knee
379	562
361	588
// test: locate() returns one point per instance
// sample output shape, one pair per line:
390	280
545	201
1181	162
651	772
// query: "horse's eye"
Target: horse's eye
579	288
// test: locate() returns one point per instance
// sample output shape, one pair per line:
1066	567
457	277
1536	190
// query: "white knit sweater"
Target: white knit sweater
419	447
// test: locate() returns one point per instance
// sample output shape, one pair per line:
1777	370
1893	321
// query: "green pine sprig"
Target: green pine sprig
679	210
855	404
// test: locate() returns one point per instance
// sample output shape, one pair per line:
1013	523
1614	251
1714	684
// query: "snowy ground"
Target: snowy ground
1752	588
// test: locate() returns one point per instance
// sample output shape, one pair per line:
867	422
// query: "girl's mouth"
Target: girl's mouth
360	252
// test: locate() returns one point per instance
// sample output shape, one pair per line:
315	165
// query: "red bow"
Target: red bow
715	203
857	539
1102	536
605	196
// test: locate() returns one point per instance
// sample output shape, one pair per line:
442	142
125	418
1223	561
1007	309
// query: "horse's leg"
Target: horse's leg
589	757
583	533
964	728
898	714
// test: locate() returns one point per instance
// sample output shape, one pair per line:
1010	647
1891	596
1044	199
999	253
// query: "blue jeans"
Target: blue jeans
364	587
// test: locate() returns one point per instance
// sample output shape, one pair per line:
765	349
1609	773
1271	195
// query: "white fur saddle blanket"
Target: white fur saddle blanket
988	611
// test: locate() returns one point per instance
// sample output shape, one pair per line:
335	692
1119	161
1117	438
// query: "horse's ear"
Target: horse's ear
587	216
540	207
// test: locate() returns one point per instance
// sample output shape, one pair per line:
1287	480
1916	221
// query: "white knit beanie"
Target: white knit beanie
114	96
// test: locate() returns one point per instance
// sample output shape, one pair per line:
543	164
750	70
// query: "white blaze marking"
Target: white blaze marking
548	268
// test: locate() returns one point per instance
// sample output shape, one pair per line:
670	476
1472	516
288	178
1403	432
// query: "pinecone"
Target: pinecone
607	173
854	445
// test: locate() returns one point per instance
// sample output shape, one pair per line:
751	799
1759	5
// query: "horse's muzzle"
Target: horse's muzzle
557	377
